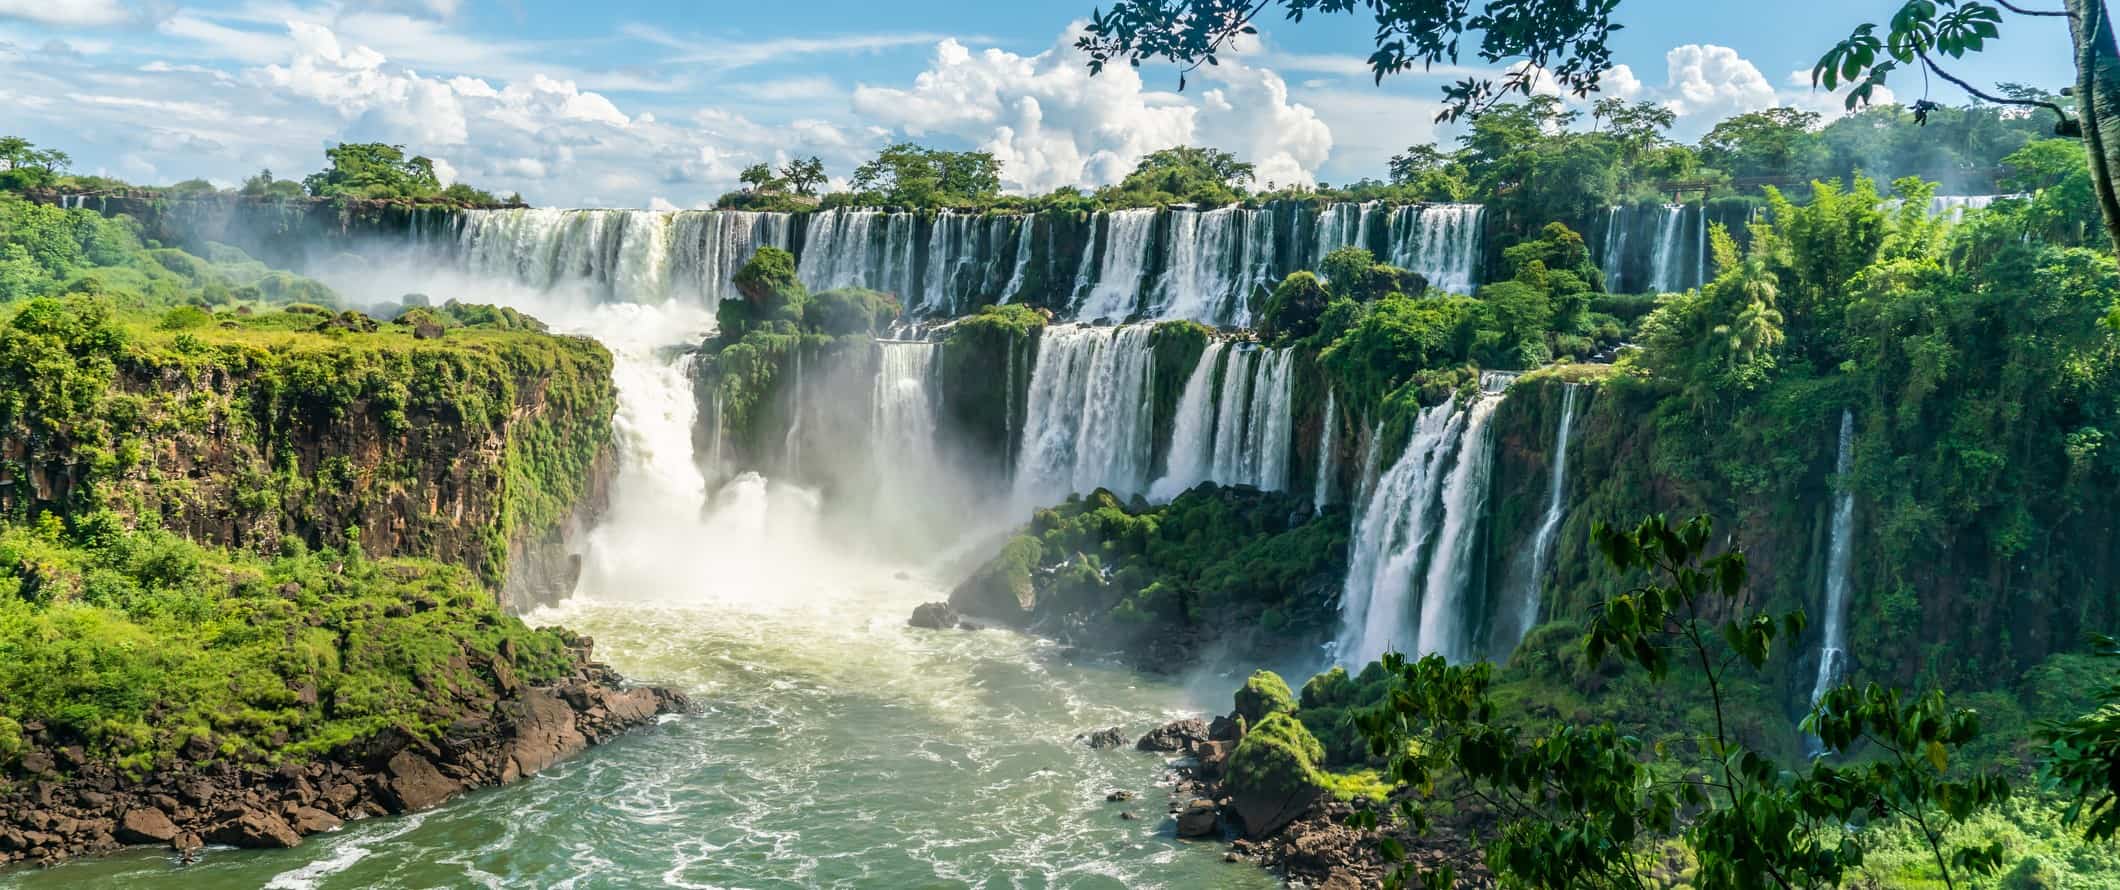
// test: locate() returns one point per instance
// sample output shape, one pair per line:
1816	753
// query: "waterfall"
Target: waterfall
791	442
1441	242
1416	541
1389	535
1014	289
1087	414
1832	653
1549	528
1272	420
620	256
1192	436
1328	444
1339	225
1614	260
1202	274
902	410
1115	291
1663	275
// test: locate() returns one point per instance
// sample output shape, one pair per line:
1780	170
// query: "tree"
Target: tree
911	175
1925	34
1581	805
27	166
373	170
1562	39
1775	142
804	176
1186	174
1567	40
759	178
263	185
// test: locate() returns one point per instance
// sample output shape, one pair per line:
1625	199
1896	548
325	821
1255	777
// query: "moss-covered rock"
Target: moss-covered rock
1273	775
1263	695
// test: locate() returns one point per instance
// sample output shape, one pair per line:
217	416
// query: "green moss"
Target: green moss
131	643
1265	693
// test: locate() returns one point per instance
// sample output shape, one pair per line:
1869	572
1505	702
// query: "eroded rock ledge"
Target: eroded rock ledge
61	805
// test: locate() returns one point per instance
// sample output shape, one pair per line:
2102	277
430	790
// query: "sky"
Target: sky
662	104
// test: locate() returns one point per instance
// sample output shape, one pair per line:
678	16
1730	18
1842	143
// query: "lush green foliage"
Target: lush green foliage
908	175
135	643
1588	805
1204	177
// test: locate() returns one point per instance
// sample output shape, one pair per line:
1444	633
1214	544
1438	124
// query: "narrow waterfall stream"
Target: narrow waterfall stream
1530	589
1833	651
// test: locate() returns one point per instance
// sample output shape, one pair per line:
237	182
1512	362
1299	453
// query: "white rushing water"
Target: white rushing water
1415	542
1125	242
1087	414
1654	248
1832	652
1531	594
1240	433
640	256
1328	452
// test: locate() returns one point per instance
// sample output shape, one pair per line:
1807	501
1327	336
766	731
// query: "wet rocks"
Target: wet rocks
1199	818
1104	739
1175	737
934	616
146	825
1119	796
58	803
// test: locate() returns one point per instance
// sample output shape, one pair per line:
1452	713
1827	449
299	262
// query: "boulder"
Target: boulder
934	616
146	825
1001	589
255	829
310	820
410	782
1177	736
544	734
1273	775
1197	819
632	706
1263	694
1103	739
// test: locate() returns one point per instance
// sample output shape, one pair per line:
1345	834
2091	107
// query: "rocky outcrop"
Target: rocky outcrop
60	807
934	616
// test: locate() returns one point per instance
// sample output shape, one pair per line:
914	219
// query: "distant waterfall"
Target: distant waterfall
1440	241
1087	414
619	256
1532	590
1115	290
902	407
1832	652
1654	248
1328	448
1240	433
1415	544
1205	265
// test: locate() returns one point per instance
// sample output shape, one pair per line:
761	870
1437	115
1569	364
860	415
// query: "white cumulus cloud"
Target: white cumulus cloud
1051	124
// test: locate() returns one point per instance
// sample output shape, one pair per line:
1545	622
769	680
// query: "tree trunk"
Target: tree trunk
2098	102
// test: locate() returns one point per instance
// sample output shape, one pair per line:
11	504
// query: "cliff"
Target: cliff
484	448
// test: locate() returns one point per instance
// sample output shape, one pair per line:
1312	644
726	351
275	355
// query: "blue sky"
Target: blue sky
661	103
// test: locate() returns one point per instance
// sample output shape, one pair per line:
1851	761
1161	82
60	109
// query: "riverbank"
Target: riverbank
63	805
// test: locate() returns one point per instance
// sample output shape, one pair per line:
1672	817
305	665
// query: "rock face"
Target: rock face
92	807
934	616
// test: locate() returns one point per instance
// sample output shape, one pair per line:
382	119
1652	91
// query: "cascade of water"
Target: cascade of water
1450	568
1014	289
1389	535
902	410
791	442
1116	290
1338	225
1272	421
1833	653
1549	528
1328	447
1199	275
626	256
1087	417
1663	274
1440	241
1232	411
1192	437
1614	260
